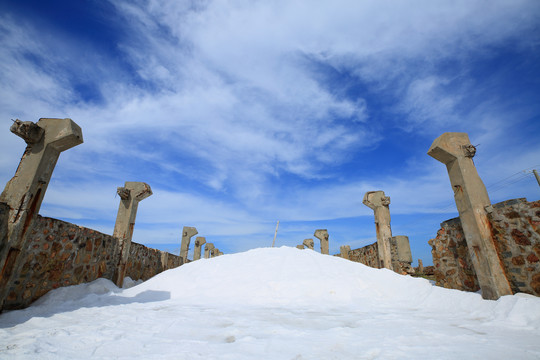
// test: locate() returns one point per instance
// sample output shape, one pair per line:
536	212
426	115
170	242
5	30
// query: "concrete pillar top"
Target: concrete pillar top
450	146
189	231
134	190
374	199
209	246
200	241
321	234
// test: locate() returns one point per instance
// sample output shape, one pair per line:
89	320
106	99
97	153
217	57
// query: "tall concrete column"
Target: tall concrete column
456	152
344	251
377	201
308	243
187	233
130	196
322	235
24	193
207	249
199	242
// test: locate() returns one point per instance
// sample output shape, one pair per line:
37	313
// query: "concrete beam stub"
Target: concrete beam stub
187	233
131	194
309	243
379	203
471	197
322	235
199	242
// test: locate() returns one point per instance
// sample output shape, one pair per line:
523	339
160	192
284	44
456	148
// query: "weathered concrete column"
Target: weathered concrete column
199	242
322	235
187	233
207	250
344	251
164	260
24	193
301	247
377	201
308	243
403	258
420	266
130	196
456	152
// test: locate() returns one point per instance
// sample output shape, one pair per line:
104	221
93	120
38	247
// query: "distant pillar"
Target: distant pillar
456	152
207	250
308	243
164	260
130	196
24	193
187	233
344	251
377	201
214	252
199	242
420	266
403	259
301	247
322	235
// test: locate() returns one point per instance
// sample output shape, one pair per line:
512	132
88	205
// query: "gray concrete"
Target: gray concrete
309	244
322	235
164	260
456	152
199	242
403	248
187	233
24	193
344	251
207	250
130	196
214	252
377	201
420	266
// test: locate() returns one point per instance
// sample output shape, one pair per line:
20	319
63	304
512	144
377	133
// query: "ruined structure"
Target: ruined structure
322	235
456	152
131	194
24	193
187	233
309	244
301	247
400	251
377	201
199	242
38	254
208	250
516	235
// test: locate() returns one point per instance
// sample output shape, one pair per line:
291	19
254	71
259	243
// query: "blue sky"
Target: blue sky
242	113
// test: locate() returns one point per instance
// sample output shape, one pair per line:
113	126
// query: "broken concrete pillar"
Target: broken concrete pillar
456	152
199	242
187	233
377	201
402	259
24	193
308	243
344	251
322	235
301	247
130	196
420	266
207	250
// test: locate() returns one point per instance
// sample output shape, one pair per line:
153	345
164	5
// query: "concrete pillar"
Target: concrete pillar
207	250
344	251
402	259
377	201
456	152
164	260
322	235
130	196
301	247
24	193
420	266
309	244
187	233
214	252
199	242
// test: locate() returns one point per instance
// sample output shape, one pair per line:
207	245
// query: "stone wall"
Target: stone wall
143	262
515	229
62	254
367	255
453	266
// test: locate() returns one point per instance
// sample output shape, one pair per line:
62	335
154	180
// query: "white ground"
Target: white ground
279	303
